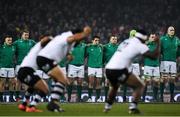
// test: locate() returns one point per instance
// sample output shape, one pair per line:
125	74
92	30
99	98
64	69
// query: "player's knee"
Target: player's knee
26	75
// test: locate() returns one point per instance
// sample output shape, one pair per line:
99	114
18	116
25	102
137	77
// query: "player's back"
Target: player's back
30	58
57	48
126	52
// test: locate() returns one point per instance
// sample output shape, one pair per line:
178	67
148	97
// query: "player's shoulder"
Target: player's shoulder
89	45
163	37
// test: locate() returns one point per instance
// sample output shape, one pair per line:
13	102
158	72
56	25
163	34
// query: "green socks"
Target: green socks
90	90
155	92
161	91
79	91
171	86
98	91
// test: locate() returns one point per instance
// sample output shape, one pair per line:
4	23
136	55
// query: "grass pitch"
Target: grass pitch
95	109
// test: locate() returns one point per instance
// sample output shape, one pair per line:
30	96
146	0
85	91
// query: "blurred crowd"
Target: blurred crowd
106	17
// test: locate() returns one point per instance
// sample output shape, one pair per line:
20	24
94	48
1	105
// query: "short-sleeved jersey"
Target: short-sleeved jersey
126	52
169	48
30	59
95	56
58	48
78	54
22	48
148	61
7	54
108	50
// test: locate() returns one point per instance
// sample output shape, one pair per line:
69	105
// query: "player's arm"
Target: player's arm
79	36
44	40
154	54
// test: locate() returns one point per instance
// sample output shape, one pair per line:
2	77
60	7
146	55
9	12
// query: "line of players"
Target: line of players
100	55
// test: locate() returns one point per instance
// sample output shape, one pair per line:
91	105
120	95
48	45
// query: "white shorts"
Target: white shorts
168	67
7	72
64	70
41	74
75	71
135	69
151	71
97	72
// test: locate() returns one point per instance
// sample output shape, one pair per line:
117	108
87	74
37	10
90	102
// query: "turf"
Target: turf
95	109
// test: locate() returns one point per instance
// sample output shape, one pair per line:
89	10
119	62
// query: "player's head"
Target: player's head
113	39
152	37
8	40
45	39
77	30
141	35
171	31
95	40
132	33
25	35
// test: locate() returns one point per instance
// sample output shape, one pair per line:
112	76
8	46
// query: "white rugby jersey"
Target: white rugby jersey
30	59
57	49
126	52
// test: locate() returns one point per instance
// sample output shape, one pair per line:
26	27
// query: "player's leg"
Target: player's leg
164	70
98	84
72	74
2	81
147	81
80	79
12	83
70	87
138	86
155	82
155	86
91	79
18	84
55	72
1	88
173	72
106	87
112	76
27	76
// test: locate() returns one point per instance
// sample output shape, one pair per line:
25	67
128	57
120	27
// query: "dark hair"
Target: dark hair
24	31
7	36
74	31
111	36
96	37
143	32
44	35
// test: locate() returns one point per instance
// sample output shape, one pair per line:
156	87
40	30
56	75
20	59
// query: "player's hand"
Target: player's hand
87	30
69	57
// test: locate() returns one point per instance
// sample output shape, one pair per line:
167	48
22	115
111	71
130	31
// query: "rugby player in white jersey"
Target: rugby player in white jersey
49	57
117	68
27	74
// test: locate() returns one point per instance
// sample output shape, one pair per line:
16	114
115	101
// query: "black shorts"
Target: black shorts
117	76
27	75
45	64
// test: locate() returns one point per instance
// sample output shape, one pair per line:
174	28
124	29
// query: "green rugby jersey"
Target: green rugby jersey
169	48
78	54
22	48
7	54
151	62
108	50
95	56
